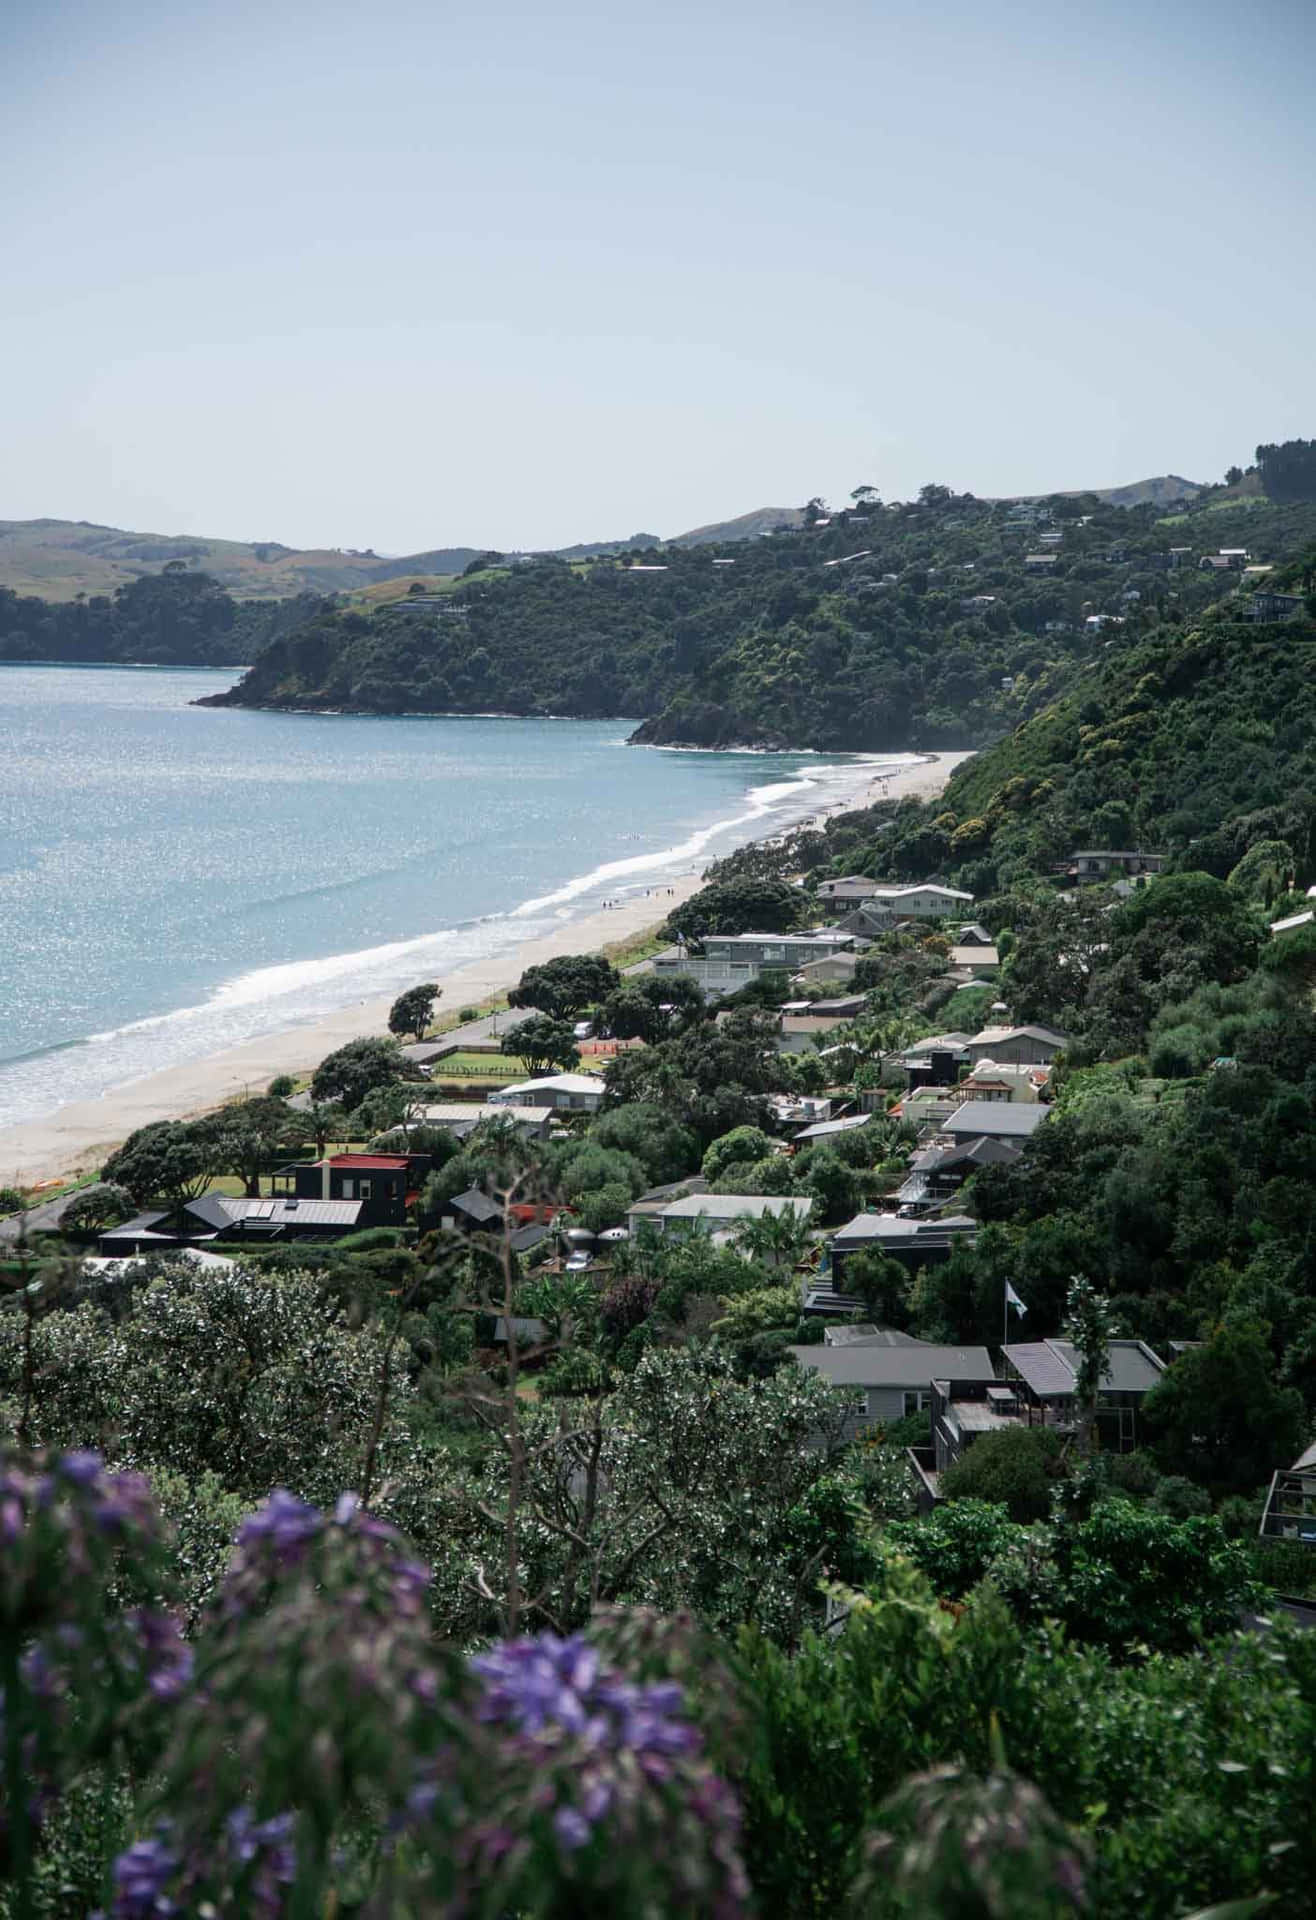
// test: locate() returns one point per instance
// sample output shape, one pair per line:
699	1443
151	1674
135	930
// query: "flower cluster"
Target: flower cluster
253	1865
601	1759
64	1522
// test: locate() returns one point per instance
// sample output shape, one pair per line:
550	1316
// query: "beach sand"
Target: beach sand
82	1133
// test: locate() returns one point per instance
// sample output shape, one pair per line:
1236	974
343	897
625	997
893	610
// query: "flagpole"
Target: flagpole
1005	1316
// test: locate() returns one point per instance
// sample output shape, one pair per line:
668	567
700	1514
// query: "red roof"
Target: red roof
380	1162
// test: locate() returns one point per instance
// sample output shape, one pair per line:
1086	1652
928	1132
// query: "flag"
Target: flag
1012	1298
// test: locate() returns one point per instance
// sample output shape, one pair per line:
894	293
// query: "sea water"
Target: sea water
177	879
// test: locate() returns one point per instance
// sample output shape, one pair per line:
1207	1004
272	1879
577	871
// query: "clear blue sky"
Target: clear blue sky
406	274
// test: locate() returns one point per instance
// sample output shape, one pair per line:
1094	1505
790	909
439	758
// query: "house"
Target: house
973	934
721	1213
890	1381
1022	1046
1294	921
1100	864
849	889
870	1334
1005	1080
978	603
867	920
915	1243
831	968
799	1110
1040	562
561	1092
385	1184
845	1006
651	1204
979	959
222	1216
1179	557
461	1117
1268	605
994	1120
797	1032
728	962
1045	1376
924	902
1290	1509
937	1173
936	1061
1228	560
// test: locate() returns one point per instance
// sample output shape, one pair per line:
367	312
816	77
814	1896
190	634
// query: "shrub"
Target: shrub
1013	1468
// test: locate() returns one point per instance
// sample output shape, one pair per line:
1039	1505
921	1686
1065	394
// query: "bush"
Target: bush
1180	1498
281	1086
95	1208
12	1200
1013	1468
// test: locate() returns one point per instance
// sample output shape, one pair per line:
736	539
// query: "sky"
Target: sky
409	275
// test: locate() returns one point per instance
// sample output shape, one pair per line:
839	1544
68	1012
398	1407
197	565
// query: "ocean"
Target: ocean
177	879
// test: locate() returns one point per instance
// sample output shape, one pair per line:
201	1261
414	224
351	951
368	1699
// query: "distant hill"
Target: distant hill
60	559
1165	490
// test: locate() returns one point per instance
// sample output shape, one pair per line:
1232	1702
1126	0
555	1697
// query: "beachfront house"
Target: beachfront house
385	1184
560	1092
272	1221
727	962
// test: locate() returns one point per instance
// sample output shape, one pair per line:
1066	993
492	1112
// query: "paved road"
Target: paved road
42	1219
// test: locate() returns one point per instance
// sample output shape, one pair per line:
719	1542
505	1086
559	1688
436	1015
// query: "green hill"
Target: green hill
938	623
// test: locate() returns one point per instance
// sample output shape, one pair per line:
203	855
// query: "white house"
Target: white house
923	902
732	960
850	888
566	1092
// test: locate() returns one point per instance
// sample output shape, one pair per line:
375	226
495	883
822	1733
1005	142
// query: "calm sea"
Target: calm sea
177	879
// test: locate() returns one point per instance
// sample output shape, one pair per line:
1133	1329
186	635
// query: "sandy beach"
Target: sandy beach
80	1134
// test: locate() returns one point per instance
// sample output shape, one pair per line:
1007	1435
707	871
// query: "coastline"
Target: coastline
80	1134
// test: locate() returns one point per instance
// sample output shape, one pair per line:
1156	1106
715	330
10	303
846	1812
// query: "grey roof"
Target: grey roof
134	1229
868	1335
269	1214
1001	1119
736	1206
892	1226
526	1239
476	1206
972	1153
882	1366
1050	1366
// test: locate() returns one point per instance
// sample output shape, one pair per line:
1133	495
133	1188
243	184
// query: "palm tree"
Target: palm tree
778	1236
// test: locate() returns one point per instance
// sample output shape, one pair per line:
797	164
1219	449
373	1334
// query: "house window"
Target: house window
349	1189
363	1190
917	1403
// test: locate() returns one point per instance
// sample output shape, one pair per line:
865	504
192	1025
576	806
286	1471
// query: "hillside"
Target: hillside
60	559
939	623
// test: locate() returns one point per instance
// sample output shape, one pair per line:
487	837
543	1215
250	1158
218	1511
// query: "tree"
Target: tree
664	1148
327	1122
542	1043
738	906
413	1011
647	1008
95	1208
779	1236
866	496
249	1137
348	1074
562	988
742	1143
1219	1416
1088	1326
167	1161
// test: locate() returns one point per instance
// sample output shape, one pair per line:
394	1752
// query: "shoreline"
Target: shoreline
81	1133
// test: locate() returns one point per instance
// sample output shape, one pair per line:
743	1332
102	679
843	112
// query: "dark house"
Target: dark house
222	1216
384	1184
936	1174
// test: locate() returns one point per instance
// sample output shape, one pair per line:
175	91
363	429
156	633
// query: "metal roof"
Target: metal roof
1009	1119
735	1206
381	1162
878	1365
269	1215
1050	1366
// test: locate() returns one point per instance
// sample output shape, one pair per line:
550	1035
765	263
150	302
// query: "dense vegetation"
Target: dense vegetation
174	618
909	625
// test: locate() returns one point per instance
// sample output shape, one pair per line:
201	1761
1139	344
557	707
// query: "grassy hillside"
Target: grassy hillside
939	623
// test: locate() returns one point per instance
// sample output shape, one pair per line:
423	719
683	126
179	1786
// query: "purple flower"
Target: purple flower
285	1521
166	1657
548	1684
571	1827
83	1469
140	1878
